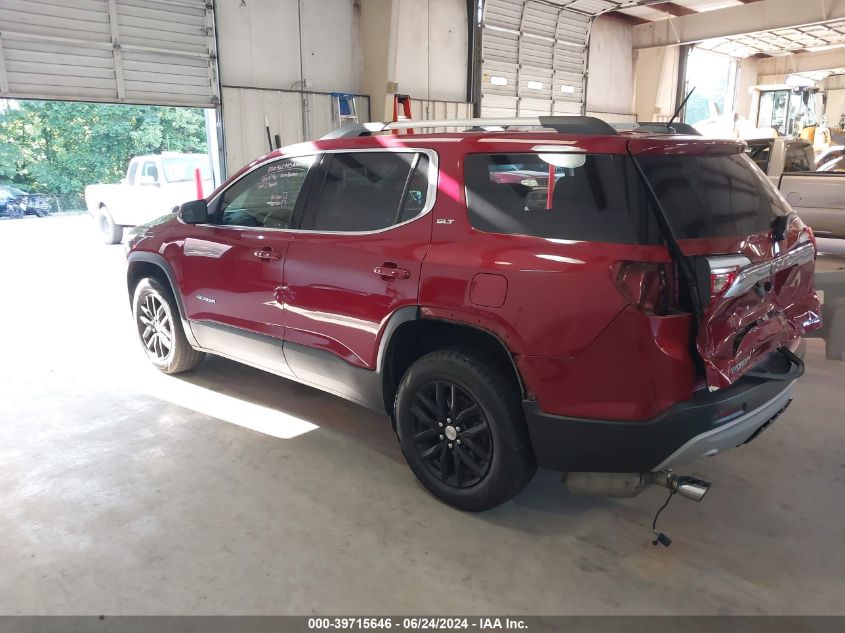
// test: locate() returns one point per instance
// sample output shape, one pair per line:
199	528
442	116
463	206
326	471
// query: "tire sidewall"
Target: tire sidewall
508	446
146	287
106	225
111	233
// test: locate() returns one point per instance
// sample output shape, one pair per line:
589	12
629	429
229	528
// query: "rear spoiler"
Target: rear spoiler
656	127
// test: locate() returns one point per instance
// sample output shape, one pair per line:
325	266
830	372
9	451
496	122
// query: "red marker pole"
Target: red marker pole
198	182
550	190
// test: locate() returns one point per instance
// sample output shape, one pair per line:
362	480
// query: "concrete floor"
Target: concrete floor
128	492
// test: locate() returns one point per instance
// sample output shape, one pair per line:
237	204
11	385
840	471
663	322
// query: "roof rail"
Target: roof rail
566	124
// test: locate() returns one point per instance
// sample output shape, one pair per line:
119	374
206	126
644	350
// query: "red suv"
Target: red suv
571	297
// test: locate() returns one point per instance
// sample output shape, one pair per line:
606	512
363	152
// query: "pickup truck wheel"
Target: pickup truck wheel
461	428
112	233
160	328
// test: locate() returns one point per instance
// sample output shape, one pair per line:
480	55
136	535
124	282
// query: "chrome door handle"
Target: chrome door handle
267	254
391	272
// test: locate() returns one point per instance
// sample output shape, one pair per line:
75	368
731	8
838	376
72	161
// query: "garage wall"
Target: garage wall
746	79
277	43
431	52
279	59
247	109
656	72
610	83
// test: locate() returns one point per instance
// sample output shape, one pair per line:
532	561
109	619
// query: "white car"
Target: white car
818	197
153	186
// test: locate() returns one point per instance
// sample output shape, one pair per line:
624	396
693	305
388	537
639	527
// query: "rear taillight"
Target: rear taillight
716	274
807	235
721	278
648	286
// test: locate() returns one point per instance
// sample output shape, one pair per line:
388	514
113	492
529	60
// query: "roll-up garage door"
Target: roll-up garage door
118	51
534	55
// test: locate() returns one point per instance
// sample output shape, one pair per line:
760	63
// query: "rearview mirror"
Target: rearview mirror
194	212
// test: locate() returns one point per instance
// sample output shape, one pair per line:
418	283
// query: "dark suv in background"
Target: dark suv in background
611	305
16	203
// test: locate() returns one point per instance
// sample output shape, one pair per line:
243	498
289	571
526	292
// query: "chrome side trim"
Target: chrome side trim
431	193
747	278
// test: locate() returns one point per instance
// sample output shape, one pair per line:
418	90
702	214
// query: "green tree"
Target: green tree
60	147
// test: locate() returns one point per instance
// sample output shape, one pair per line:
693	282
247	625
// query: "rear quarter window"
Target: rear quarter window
713	196
594	197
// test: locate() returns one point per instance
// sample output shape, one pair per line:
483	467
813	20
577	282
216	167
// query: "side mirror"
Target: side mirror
194	212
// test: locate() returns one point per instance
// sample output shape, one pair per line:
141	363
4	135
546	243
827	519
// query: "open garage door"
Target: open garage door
115	51
534	55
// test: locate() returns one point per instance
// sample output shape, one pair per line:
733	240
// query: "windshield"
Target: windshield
182	169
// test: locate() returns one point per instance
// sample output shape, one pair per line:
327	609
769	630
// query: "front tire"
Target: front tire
160	328
112	233
461	428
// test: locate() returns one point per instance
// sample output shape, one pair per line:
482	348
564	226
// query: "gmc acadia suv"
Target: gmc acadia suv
611	305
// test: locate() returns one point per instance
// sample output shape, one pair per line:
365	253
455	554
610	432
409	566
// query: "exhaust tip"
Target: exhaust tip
690	487
686	486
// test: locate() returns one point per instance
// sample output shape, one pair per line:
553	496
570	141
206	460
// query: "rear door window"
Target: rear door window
713	196
368	191
798	157
150	171
594	197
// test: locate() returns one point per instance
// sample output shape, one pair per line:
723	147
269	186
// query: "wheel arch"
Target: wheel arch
409	337
141	264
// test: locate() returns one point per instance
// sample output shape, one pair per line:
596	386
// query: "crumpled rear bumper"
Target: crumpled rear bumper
708	423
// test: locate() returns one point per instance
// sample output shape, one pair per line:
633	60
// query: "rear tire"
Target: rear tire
160	328
112	233
16	212
461	428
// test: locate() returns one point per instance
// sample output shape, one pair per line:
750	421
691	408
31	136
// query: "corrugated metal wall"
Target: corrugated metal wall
534	55
121	51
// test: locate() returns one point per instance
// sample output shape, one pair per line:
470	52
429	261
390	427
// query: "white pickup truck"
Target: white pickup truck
818	197
153	186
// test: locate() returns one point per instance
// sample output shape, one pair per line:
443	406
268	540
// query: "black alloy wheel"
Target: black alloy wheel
451	434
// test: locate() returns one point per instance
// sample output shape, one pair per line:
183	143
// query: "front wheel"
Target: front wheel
160	328
462	431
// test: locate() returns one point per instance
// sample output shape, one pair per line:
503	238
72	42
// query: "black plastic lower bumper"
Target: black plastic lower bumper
584	445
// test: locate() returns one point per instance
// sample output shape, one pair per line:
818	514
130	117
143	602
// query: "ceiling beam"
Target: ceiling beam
673	9
746	18
805	62
623	17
